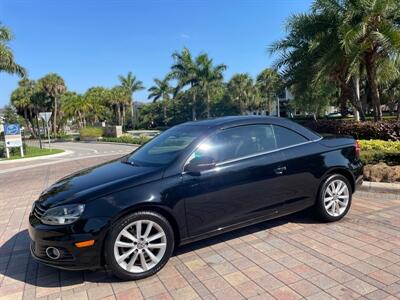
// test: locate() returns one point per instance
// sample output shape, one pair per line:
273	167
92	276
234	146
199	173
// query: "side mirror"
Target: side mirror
199	164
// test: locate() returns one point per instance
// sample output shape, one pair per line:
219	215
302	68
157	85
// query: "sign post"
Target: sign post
46	118
12	134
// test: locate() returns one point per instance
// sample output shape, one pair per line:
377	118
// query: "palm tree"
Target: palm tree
119	98
269	83
97	100
131	85
7	61
21	98
240	89
389	81
54	86
371	32
185	71
210	77
75	107
312	54
161	90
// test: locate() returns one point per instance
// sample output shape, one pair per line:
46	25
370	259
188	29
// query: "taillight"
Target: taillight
358	148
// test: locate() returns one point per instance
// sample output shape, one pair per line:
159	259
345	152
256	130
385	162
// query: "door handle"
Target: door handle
280	170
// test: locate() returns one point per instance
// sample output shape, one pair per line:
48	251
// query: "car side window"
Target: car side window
286	137
238	142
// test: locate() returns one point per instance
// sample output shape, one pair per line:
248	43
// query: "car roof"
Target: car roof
233	121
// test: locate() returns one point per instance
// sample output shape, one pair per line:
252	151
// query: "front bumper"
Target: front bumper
64	238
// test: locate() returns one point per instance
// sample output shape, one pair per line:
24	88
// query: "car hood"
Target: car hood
97	181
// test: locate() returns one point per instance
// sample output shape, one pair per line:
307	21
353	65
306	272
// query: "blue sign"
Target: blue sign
12	129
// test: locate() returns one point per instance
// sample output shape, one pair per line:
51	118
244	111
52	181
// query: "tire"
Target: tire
331	205
127	256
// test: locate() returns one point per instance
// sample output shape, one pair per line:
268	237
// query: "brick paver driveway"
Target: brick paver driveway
289	258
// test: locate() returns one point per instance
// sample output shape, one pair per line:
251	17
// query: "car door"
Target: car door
244	185
302	159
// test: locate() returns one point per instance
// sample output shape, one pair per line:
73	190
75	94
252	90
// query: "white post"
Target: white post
48	134
278	112
22	151
8	152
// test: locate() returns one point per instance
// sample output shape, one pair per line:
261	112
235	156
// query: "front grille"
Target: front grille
38	211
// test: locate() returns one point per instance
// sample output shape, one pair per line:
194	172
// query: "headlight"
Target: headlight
63	215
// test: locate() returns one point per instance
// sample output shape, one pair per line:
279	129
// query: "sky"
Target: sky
90	42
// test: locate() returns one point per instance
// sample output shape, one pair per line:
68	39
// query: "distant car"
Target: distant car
191	182
336	115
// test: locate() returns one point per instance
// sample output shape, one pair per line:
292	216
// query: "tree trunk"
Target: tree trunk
119	113
391	104
123	116
398	110
38	127
165	111
269	104
370	64
133	113
28	123
208	105
194	107
357	106
240	105
55	117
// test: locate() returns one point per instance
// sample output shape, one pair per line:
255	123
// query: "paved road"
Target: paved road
73	151
289	258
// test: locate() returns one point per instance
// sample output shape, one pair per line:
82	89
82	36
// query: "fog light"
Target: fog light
52	253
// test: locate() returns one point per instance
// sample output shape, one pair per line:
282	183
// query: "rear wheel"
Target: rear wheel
334	198
139	245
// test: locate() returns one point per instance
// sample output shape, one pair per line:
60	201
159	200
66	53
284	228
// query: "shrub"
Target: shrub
127	139
91	132
391	158
379	145
386	130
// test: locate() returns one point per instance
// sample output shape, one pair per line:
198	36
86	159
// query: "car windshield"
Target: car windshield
166	147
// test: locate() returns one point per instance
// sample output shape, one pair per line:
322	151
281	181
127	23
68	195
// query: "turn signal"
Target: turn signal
358	148
85	244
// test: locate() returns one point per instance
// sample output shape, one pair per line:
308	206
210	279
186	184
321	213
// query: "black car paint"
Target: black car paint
230	196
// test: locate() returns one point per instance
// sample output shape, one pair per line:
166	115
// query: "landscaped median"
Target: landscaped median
381	160
96	134
29	152
379	141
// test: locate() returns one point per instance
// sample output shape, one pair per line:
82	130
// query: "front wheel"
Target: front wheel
334	198
139	245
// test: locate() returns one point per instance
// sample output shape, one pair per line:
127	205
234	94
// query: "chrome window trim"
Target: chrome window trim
265	152
248	156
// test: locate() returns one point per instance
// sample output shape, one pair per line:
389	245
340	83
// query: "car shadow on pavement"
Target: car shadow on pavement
17	265
303	217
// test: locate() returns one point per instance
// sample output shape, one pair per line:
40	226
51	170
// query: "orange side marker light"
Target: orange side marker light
85	244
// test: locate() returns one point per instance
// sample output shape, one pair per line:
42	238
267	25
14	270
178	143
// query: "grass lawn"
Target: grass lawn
33	152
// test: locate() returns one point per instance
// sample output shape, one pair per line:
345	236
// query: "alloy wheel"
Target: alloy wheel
140	246
336	198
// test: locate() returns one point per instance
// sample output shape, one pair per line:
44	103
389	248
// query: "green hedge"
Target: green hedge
127	139
375	151
379	145
91	132
372	157
388	130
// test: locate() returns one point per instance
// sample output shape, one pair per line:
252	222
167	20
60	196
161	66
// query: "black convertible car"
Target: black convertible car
193	181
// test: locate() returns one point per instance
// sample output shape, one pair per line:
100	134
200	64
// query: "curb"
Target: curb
369	186
66	152
108	143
